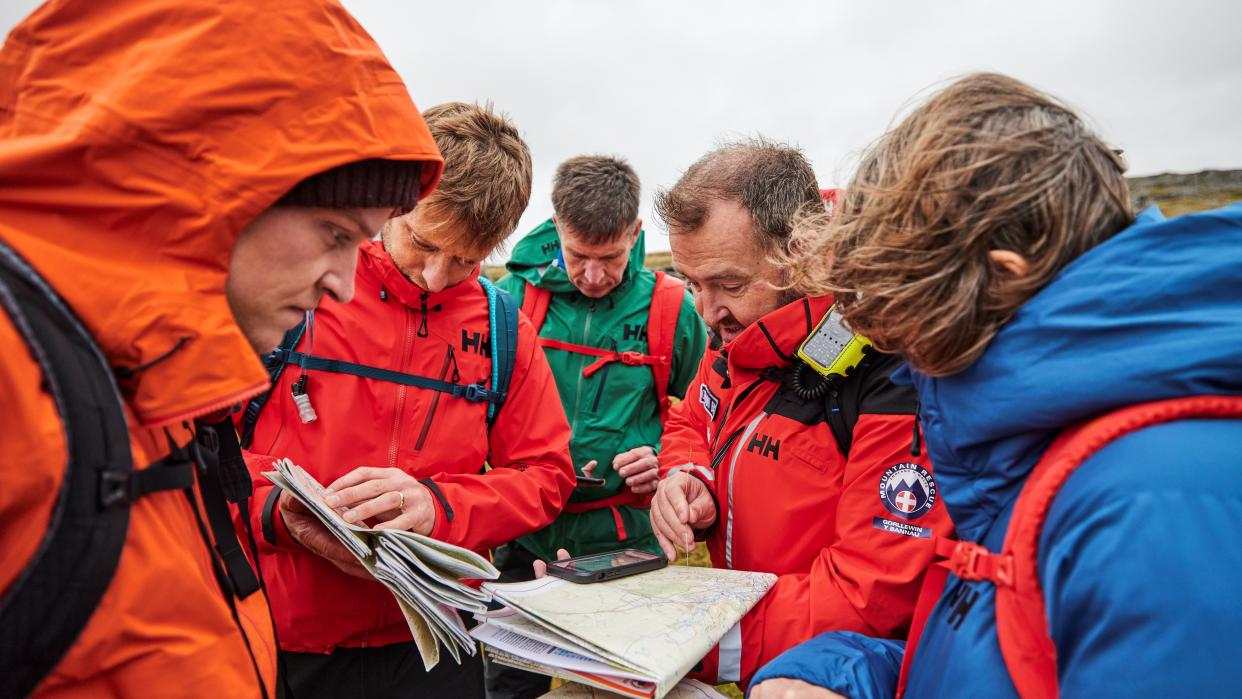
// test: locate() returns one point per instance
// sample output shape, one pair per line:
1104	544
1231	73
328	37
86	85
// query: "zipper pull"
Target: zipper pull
422	322
383	294
452	355
916	438
306	411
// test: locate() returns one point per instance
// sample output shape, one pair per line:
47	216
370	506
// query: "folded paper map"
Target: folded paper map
423	574
635	636
686	689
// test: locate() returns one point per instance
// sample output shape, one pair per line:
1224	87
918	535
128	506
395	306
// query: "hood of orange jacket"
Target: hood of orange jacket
129	164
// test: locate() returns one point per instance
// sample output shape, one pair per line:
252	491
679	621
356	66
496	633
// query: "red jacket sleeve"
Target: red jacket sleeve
265	522
684	446
531	476
867	579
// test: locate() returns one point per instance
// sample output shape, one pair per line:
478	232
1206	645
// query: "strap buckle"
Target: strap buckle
970	561
116	488
277	357
632	358
476	393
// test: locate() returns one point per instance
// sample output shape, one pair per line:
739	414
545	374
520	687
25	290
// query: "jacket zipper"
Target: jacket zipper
449	359
741	396
586	334
394	440
603	380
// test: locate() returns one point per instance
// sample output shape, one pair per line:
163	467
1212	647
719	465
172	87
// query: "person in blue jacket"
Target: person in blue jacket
989	239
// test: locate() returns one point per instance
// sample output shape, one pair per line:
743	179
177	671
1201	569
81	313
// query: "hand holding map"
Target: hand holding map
422	573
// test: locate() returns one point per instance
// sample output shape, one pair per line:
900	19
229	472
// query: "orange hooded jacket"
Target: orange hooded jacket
136	140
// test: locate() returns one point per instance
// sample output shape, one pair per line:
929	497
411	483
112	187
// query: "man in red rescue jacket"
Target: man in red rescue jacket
819	480
402	456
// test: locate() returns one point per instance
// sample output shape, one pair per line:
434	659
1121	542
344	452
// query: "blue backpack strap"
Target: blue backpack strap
503	326
502	312
275	367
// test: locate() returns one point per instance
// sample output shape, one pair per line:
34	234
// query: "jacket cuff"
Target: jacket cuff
442	509
847	663
700	472
273	530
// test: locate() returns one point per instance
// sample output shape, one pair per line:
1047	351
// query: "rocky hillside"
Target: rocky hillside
1177	194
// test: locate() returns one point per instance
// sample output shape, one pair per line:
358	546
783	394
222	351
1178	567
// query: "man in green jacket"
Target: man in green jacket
609	328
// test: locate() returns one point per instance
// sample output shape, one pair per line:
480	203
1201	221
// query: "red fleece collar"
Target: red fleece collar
773	339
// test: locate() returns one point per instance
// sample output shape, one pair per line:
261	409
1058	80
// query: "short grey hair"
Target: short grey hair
772	180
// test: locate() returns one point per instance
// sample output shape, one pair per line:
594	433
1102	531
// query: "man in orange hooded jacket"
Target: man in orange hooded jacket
142	148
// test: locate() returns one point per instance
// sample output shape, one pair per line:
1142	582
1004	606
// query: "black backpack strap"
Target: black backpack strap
224	479
275	366
236	487
867	389
46	607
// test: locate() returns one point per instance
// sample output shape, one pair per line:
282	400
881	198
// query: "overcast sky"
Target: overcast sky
661	81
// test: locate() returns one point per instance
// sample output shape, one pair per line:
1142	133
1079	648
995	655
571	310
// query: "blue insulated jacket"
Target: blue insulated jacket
1140	560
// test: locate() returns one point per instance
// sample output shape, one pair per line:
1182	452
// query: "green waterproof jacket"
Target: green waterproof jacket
615	409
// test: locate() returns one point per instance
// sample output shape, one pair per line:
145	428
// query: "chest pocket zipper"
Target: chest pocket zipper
450	360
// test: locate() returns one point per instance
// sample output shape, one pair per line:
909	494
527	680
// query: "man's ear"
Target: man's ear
1011	262
638	227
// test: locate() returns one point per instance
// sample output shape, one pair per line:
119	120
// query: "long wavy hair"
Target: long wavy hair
988	163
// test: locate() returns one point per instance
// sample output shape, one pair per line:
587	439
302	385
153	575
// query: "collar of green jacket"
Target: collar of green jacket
534	260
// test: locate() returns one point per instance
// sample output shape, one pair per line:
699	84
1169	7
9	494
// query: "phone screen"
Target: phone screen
604	561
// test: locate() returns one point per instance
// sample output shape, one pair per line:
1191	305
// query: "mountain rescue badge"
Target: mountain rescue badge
908	490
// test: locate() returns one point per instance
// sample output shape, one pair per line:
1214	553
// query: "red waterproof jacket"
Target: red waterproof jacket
845	535
393	324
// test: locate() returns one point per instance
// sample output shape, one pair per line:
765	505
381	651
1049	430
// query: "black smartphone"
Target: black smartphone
599	567
589	481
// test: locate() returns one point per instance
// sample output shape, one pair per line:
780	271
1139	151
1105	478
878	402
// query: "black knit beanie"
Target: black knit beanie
361	185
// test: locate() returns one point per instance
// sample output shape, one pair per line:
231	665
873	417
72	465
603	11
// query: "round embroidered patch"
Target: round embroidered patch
908	490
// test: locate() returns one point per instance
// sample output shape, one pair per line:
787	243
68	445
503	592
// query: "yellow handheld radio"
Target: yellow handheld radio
833	348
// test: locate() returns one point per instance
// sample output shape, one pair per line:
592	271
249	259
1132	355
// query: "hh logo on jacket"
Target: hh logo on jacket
476	342
765	446
635	332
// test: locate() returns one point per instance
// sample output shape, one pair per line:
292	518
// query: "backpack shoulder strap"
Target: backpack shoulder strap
47	605
535	302
275	366
502	311
1021	612
843	403
666	301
